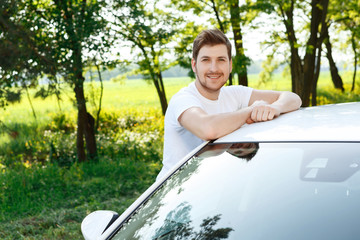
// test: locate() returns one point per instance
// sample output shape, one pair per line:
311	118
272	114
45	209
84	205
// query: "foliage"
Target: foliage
305	52
150	30
136	135
8	95
183	49
23	47
56	38
345	18
133	134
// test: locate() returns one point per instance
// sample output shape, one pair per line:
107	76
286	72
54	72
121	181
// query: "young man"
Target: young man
207	110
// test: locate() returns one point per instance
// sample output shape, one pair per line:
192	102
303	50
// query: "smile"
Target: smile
214	76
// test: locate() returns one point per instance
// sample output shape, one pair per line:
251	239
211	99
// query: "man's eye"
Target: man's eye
205	60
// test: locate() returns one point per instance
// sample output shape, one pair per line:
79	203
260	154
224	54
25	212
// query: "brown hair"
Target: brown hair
210	37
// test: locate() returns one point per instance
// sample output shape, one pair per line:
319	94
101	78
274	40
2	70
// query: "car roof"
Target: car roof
335	122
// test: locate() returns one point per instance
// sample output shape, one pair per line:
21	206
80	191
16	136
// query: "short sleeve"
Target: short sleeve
237	95
181	103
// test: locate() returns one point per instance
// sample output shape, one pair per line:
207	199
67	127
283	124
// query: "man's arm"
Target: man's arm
264	106
270	104
210	127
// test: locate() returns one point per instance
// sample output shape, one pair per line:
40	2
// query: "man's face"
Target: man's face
212	67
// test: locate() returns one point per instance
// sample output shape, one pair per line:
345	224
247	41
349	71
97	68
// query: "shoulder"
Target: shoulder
185	94
238	95
236	91
181	101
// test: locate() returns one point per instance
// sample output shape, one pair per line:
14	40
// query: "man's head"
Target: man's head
211	62
210	37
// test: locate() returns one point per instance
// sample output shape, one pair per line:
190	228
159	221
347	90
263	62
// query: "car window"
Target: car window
256	191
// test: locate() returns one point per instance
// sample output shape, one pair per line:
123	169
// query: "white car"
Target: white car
296	177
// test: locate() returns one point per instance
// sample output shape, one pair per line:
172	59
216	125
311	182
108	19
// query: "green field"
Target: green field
45	193
139	93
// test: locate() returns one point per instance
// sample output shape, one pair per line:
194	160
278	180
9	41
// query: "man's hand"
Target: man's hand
262	111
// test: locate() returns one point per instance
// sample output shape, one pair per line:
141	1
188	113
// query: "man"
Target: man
206	110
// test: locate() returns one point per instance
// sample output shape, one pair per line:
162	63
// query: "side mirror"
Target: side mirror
95	224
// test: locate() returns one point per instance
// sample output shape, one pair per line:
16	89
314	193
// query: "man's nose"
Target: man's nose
214	66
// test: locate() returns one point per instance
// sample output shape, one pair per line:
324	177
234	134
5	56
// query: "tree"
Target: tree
304	70
228	15
240	60
337	80
57	35
23	47
150	31
346	15
243	15
75	27
183	49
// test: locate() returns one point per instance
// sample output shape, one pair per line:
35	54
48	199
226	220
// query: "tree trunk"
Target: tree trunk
86	123
221	25
85	126
296	66
316	76
230	79
85	120
80	146
353	44
303	73
240	58
317	16
336	79
100	98
160	89
29	99
297	73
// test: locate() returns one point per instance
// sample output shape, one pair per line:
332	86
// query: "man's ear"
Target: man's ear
193	65
230	65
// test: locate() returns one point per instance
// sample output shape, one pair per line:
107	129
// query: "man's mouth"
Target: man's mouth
214	76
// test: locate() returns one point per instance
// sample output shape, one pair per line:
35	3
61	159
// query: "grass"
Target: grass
45	193
51	202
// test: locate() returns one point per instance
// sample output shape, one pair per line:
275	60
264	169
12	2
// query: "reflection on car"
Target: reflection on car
296	177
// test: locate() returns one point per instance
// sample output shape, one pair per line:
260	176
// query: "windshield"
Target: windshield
256	191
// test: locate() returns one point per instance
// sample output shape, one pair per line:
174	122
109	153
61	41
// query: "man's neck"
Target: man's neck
207	93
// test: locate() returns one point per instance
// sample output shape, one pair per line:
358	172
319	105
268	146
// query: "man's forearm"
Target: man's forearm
209	127
264	111
287	102
222	124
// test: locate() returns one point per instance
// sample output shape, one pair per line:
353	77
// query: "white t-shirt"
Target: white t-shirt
178	141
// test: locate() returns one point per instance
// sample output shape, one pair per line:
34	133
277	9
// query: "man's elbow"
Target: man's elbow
294	100
298	101
208	132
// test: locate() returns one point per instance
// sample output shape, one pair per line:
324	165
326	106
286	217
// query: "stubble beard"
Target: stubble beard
205	86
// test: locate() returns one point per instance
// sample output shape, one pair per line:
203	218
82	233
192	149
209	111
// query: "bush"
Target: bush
131	133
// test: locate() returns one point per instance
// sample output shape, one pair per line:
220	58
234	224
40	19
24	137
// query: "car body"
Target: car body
295	177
